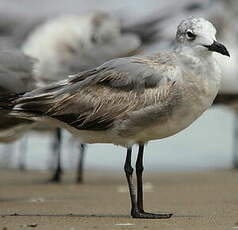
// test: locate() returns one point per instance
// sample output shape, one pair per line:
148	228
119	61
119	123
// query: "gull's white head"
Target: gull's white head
199	35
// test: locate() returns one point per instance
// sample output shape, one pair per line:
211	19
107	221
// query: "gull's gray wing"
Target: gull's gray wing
115	91
16	72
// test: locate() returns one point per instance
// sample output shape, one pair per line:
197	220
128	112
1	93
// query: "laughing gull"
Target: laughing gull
69	44
133	100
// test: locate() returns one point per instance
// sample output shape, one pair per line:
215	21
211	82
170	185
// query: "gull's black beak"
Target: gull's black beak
219	48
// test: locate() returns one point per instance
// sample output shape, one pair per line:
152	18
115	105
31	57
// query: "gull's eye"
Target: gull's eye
190	35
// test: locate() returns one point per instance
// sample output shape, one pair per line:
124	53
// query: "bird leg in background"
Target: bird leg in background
81	163
137	210
235	144
57	152
23	152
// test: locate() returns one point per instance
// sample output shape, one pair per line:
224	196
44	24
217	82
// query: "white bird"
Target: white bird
133	100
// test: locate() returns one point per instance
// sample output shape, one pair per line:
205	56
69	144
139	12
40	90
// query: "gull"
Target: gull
133	100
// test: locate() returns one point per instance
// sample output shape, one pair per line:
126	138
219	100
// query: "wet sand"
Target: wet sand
204	200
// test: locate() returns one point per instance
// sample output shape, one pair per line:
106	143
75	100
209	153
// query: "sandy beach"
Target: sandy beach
204	200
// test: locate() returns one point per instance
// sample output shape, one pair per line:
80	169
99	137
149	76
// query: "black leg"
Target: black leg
57	151
137	210
81	163
139	171
129	171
